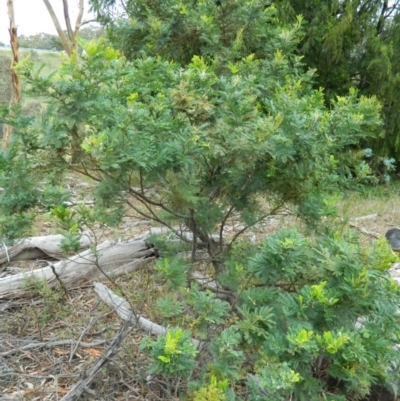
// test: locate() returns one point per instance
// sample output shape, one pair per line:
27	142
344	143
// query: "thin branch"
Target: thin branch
67	20
51	344
78	22
154	217
65	42
88	22
154	203
273	211
221	230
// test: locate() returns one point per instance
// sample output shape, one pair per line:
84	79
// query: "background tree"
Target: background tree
68	39
41	40
354	43
15	82
350	43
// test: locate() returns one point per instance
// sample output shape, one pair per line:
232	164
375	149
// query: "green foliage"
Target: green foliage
334	312
208	141
354	43
172	354
215	391
210	311
174	270
209	114
169	306
53	306
317	320
227	357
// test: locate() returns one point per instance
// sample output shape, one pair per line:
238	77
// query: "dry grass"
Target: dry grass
383	201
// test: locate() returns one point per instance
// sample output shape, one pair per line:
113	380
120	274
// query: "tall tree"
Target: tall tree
16	86
354	43
68	39
350	43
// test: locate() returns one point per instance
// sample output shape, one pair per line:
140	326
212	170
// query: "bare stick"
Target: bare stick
51	345
82	385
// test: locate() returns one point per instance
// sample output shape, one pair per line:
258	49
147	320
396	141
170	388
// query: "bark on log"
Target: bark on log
38	247
109	258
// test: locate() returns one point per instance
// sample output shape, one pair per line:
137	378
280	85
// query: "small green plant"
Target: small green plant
70	226
169	306
172	354
52	298
174	271
214	391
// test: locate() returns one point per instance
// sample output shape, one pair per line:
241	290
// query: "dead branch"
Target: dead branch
82	385
123	310
38	247
52	344
16	84
366	232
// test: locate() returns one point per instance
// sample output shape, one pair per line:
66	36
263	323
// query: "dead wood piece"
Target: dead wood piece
395	272
82	385
52	344
38	247
108	258
366	232
123	310
368	217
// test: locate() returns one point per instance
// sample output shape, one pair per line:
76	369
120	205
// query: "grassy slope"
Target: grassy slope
50	60
47	61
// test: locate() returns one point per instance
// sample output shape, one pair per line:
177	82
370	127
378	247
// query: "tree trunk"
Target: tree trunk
16	86
69	40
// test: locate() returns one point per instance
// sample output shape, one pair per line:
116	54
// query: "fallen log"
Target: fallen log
38	248
107	259
124	311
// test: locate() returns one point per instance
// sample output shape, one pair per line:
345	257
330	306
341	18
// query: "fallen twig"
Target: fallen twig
51	344
82	385
366	232
368	217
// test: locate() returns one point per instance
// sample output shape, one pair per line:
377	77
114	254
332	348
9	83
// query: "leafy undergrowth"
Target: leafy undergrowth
50	339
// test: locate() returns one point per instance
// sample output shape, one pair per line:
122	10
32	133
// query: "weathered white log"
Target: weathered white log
124	311
368	217
109	258
395	272
38	247
365	231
